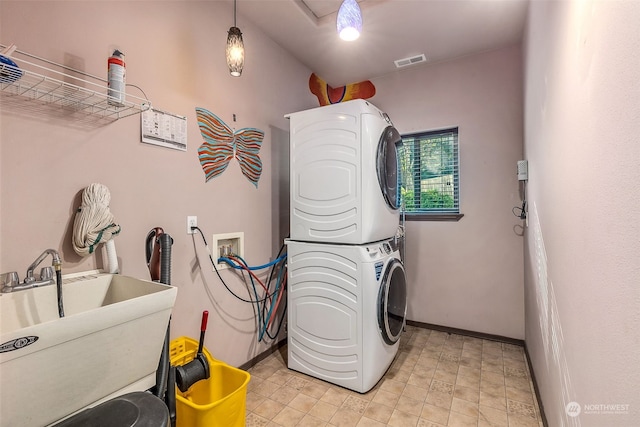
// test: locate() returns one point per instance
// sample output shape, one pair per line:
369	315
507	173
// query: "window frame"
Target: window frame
434	215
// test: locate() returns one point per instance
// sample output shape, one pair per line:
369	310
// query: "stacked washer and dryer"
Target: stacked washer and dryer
346	283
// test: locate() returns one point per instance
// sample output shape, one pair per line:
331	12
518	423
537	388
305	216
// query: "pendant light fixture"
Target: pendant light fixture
349	21
235	48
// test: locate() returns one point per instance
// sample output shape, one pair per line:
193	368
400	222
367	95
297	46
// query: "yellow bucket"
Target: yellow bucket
219	401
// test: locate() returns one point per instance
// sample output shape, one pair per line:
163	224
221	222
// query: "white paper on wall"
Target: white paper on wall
164	129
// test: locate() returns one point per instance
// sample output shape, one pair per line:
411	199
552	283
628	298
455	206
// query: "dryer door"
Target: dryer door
387	166
392	302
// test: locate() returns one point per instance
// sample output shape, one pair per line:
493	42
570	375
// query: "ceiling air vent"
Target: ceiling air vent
410	61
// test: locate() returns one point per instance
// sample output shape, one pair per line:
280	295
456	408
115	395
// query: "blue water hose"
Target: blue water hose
262	324
279	288
255	292
273	303
231	263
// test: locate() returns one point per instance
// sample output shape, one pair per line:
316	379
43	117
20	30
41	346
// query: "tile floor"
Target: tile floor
437	379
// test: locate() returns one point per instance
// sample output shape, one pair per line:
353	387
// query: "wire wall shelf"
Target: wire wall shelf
24	89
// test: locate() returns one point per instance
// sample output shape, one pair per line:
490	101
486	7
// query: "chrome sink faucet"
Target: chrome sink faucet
11	281
56	263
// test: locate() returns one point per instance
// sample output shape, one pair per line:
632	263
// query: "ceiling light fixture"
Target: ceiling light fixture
235	48
349	21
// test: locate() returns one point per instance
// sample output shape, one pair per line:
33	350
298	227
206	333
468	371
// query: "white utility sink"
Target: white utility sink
108	343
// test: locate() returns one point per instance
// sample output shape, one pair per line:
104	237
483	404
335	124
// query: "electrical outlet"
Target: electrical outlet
192	221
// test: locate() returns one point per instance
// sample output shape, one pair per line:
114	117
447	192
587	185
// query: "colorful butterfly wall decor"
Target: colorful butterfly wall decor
221	144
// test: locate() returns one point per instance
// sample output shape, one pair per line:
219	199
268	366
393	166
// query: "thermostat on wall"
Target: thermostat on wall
523	170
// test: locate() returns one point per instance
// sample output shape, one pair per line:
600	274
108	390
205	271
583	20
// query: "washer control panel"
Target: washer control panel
386	248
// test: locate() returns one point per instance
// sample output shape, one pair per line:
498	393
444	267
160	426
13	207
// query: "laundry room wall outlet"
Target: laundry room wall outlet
192	221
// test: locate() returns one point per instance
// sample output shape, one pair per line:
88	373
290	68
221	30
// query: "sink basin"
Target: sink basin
108	343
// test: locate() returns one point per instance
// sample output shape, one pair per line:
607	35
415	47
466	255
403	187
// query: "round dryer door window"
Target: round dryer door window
392	302
387	166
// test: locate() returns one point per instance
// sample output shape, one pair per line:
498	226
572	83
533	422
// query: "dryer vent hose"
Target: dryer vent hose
165	258
164	366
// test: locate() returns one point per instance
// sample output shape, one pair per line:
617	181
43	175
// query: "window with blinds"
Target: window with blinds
429	172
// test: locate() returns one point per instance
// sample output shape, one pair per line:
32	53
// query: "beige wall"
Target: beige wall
175	53
467	274
581	114
582	121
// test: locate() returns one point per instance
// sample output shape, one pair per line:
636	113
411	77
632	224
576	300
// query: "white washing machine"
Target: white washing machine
346	310
344	174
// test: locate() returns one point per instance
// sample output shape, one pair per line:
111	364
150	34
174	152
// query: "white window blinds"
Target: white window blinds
429	172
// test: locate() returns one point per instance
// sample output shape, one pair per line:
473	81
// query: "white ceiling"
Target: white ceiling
392	29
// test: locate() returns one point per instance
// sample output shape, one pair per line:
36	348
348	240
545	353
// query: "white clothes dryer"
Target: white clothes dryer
343	174
346	311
